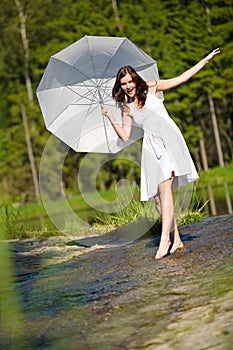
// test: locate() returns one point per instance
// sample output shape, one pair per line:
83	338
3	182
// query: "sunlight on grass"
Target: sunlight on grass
97	221
146	210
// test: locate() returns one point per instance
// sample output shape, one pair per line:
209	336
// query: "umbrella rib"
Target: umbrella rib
94	99
102	78
57	115
87	112
101	100
105	131
91	92
103	87
78	70
91	56
86	96
90	89
113	56
91	103
97	85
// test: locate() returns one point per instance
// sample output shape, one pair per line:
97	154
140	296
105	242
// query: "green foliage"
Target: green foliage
10	221
176	33
137	210
194	213
123	216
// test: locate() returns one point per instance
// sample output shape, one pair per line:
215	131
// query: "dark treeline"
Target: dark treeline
175	33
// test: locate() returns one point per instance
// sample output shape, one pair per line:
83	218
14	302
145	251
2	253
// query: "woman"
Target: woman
166	162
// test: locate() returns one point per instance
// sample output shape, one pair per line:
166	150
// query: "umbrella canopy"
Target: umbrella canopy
78	81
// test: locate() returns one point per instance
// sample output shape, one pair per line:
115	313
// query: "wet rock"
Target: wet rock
117	296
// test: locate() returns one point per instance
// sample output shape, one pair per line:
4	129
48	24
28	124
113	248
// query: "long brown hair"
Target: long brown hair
141	87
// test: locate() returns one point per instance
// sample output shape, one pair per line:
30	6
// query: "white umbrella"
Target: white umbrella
78	81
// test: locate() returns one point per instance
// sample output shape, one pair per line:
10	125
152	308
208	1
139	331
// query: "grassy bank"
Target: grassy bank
25	220
16	220
216	176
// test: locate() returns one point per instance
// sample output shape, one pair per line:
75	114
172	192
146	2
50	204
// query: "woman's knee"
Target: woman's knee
165	186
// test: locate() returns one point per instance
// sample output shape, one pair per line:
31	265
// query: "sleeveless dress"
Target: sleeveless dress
164	150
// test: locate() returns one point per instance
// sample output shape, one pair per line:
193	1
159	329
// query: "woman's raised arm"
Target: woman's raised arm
170	83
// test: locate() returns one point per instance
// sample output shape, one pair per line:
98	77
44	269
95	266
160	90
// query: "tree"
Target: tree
176	33
23	31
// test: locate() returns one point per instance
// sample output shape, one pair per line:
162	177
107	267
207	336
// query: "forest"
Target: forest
176	33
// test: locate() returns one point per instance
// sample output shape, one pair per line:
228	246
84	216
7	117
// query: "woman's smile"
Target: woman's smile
128	85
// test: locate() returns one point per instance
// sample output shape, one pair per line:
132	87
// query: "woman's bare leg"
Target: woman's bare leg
167	214
157	203
177	243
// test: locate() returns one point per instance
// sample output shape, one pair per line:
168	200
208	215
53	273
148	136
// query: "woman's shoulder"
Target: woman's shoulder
152	84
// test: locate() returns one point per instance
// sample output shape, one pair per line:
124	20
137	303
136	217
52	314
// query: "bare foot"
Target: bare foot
176	245
163	250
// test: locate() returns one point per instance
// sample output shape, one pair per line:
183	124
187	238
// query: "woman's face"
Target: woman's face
128	85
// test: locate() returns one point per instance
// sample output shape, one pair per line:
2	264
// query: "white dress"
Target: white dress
163	149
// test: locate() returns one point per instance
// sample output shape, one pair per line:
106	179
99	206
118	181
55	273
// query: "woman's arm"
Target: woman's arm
124	130
170	83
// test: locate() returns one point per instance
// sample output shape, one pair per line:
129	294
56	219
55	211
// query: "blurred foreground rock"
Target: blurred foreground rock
119	297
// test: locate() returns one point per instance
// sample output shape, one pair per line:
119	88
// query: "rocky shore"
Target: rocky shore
86	294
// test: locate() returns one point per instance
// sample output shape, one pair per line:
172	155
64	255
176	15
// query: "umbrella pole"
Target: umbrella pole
105	131
104	120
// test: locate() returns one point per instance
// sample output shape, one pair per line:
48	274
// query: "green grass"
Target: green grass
12	219
35	210
16	219
216	176
146	210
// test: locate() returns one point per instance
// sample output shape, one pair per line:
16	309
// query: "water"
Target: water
219	197
121	298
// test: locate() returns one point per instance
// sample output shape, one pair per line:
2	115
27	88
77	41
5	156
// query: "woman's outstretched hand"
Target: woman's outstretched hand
212	54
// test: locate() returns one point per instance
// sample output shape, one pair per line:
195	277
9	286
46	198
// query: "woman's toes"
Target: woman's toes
163	250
